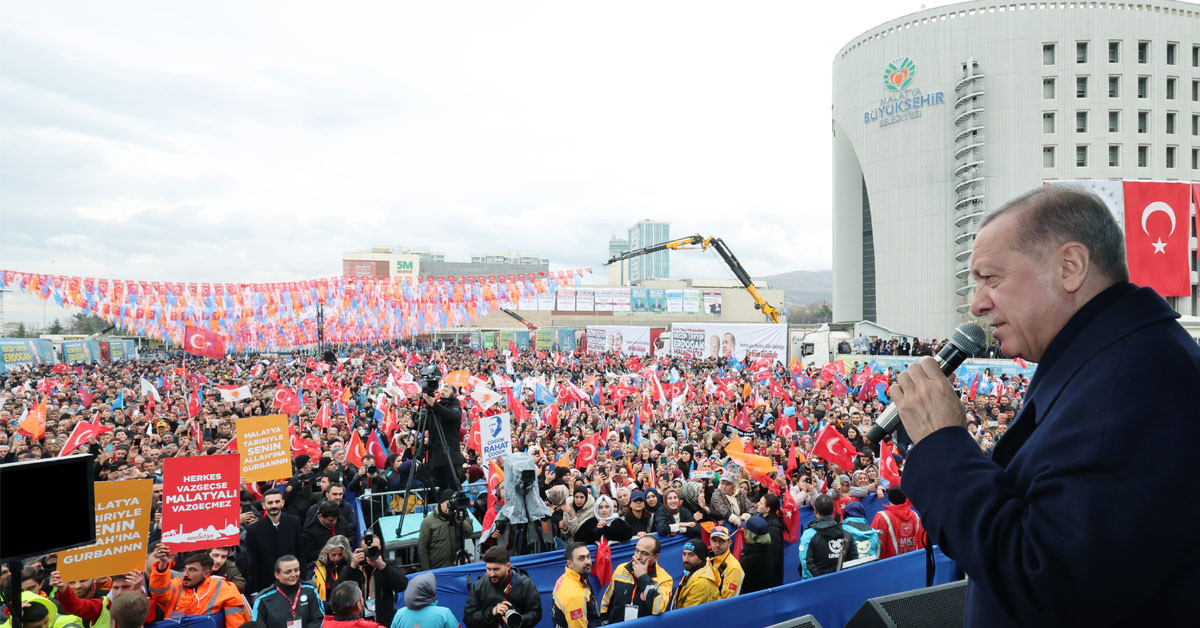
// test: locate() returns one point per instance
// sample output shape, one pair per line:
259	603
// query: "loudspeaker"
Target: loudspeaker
942	606
26	488
807	621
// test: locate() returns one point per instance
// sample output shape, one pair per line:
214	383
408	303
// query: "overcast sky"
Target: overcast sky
235	141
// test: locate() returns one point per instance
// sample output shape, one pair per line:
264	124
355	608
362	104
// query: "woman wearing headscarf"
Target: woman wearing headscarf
674	517
606	523
580	511
692	494
556	496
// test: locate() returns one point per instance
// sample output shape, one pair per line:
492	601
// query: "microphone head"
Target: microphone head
969	338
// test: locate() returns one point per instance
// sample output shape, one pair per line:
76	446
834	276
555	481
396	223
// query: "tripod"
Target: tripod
420	452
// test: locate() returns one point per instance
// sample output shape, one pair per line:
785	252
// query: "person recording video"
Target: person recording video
445	452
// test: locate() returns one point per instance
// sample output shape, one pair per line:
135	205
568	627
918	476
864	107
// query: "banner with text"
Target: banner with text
122	525
201	504
625	340
496	433
746	342
264	447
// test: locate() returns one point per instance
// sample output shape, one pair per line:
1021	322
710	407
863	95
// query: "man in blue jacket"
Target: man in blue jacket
1042	527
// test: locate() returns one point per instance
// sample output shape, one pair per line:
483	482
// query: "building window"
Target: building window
1081	156
1081	52
1196	56
1171	46
1170	123
1143	87
1143	122
1081	86
1196	124
1114	121
1143	156
1048	89
1114	155
1143	52
1114	52
1047	156
1048	122
1114	86
1170	156
1047	54
1171	80
1196	159
1195	90
1081	122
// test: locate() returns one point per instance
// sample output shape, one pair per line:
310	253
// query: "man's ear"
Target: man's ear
1073	264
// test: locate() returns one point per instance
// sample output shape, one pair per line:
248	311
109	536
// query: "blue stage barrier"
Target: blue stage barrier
831	599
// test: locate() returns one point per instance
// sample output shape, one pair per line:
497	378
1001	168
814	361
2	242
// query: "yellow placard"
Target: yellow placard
263	444
122	525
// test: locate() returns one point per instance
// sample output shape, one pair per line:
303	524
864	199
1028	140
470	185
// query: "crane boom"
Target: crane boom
513	314
727	256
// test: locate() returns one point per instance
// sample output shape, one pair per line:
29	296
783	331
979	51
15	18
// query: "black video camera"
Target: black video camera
459	504
371	551
431	377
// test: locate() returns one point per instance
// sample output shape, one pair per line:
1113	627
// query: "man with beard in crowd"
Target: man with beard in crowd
574	604
336	493
505	590
274	536
196	592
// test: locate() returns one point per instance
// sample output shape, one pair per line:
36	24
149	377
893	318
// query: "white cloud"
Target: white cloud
236	141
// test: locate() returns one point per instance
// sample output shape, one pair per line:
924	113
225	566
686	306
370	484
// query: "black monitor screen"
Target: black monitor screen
29	490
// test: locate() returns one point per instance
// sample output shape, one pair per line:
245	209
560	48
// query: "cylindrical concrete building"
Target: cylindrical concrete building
943	115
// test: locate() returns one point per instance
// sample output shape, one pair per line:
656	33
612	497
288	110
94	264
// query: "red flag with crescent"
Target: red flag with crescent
203	342
833	447
286	400
587	452
82	433
323	417
888	469
1156	236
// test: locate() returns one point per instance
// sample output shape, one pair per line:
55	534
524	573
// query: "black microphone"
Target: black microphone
968	340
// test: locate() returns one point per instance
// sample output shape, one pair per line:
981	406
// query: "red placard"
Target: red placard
200	502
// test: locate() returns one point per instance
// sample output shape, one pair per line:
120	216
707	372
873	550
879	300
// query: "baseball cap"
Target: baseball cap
719	532
636	495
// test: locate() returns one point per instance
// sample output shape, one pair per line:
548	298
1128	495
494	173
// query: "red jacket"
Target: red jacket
88	609
900	530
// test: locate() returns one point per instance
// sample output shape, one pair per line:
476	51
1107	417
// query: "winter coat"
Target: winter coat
273	606
663	520
484	596
824	545
438	543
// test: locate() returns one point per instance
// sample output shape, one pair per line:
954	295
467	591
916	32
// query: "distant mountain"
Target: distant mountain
801	287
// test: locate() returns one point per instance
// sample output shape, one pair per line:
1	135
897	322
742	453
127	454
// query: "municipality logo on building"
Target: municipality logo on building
899	74
902	101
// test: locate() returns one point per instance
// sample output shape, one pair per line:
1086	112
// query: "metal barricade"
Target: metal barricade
378	505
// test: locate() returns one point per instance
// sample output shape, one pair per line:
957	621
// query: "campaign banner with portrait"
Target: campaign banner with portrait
122	528
746	342
495	434
711	302
201	504
626	340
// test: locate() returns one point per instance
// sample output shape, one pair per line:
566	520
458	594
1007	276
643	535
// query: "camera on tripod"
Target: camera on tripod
459	504
431	377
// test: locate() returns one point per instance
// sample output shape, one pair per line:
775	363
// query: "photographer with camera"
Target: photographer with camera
367	478
379	579
443	531
506	597
443	424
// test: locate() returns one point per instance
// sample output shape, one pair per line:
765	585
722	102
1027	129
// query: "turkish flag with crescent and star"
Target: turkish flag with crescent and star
203	342
1156	236
833	447
286	400
586	455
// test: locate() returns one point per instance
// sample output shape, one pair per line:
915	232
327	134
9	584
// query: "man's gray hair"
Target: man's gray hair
1054	214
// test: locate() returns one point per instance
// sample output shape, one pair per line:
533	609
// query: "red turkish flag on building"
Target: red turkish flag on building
82	433
203	342
833	447
1156	236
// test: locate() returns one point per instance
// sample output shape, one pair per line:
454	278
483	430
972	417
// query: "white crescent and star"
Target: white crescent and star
1150	210
201	344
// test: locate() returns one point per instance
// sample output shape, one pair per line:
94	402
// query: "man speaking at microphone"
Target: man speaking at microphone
1062	525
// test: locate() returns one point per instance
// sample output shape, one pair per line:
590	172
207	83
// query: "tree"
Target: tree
84	323
21	331
55	328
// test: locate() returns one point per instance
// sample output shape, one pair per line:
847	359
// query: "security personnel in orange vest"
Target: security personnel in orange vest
198	592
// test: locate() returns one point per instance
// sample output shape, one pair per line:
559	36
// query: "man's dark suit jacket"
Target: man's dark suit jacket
1084	514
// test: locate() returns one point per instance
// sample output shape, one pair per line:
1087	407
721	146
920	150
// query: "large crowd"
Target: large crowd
663	431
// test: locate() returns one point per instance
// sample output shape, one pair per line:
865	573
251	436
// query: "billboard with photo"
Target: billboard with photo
626	340
746	342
